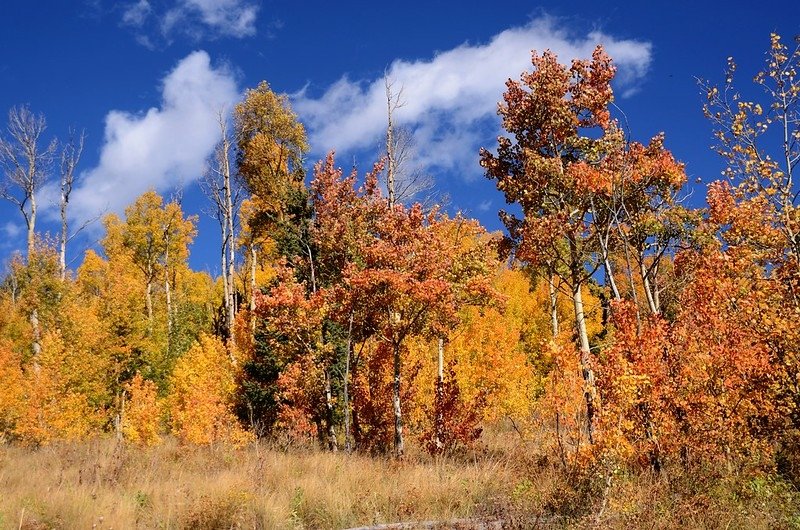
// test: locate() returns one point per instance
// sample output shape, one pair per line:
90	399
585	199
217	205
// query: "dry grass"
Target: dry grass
100	484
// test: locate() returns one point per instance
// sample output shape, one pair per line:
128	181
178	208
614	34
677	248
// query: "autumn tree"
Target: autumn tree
155	305
410	278
640	220
271	142
141	414
345	215
559	119
297	326
12	392
155	237
201	399
755	207
699	388
760	143
289	330
26	163
66	388
376	276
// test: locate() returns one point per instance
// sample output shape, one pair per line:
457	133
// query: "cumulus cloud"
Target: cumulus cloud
196	18
163	147
450	101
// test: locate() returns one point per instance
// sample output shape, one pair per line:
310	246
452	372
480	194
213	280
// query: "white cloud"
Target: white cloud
11	229
233	18
136	14
163	147
451	99
195	18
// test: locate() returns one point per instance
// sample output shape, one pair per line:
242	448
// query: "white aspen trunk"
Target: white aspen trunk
62	254
332	444
656	290
399	447
439	427
590	391
610	277
231	304
32	227
551	284
440	364
347	445
230	240
225	287
36	346
149	303
390	162
120	419
632	285
253	257
70	156
168	293
606	263
647	288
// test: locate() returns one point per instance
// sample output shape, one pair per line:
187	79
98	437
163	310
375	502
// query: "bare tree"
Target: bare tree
222	189
410	179
25	163
70	156
393	102
404	179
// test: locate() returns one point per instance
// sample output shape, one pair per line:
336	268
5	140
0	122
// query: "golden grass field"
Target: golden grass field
104	485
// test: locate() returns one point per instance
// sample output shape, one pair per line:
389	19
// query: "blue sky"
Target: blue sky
145	78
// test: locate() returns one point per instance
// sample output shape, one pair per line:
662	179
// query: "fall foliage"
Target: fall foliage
613	327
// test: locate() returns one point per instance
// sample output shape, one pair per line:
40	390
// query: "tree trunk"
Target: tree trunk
651	302
332	444
649	431
230	240
231	302
656	290
149	303
253	269
167	291
346	390
610	277
390	160
606	263
439	427
168	294
551	284
399	448
36	346
119	421
225	287
589	392
62	254
32	227
631	283
70	155
34	318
